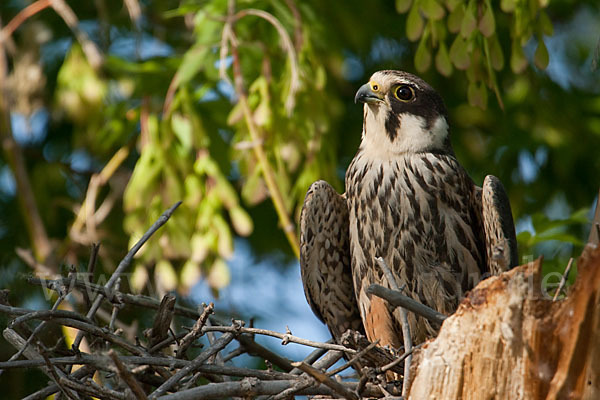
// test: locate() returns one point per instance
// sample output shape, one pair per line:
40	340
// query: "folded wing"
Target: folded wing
499	228
325	259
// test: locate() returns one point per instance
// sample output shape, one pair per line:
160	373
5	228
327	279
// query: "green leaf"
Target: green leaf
561	237
525	238
452	4
192	63
477	95
139	278
442	61
545	24
455	19
219	275
422	56
518	62
189	275
459	54
487	24
432	9
414	24
402	6
262	115
541	57
508	6
165	274
241	221
468	23
182	128
225	239
496	54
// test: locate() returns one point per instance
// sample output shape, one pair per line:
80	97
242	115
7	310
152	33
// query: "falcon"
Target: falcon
409	201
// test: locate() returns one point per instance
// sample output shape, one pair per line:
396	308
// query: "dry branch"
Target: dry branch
127	377
397	299
140	369
323	378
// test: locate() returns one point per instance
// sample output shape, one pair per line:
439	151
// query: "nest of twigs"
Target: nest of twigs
164	362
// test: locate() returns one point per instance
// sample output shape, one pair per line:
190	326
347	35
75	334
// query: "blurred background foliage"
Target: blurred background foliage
116	110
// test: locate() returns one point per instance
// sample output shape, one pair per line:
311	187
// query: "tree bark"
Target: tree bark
509	340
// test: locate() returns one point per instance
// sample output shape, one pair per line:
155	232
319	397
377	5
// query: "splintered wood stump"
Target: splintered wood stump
508	340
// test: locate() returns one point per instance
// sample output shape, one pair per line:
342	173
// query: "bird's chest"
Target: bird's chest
414	206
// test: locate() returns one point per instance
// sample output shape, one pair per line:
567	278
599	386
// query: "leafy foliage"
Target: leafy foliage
463	35
169	112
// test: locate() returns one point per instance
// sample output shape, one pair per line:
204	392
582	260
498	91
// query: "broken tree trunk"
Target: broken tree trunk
509	340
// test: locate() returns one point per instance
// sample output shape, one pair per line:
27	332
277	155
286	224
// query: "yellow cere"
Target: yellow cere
374	86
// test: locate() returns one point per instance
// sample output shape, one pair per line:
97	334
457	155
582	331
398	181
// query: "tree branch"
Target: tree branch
259	152
397	299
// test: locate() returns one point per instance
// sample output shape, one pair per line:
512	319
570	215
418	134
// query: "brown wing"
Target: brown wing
325	259
498	226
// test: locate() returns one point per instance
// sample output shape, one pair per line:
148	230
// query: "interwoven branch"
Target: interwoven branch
165	363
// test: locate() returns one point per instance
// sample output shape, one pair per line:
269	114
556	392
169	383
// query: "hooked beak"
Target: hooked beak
366	95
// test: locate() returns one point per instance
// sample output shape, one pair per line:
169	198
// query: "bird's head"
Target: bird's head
403	114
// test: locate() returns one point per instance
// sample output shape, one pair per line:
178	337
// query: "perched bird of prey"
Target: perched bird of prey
409	201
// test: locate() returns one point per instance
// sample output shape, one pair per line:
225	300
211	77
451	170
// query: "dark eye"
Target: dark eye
404	93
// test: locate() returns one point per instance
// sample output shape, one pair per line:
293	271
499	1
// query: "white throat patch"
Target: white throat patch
412	136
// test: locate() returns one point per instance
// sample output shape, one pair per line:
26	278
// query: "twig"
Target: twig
302	383
50	390
57	379
258	350
196	330
97	180
94	390
26	255
103	363
311	358
90	271
166	342
115	309
22	16
298	37
376	357
288	47
124	264
397	361
354	359
285	337
45	315
98	332
326	380
127	376
252	347
250	388
211	339
397	299
18	342
162	320
36	330
92	52
259	152
563	279
238	351
403	319
193	366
